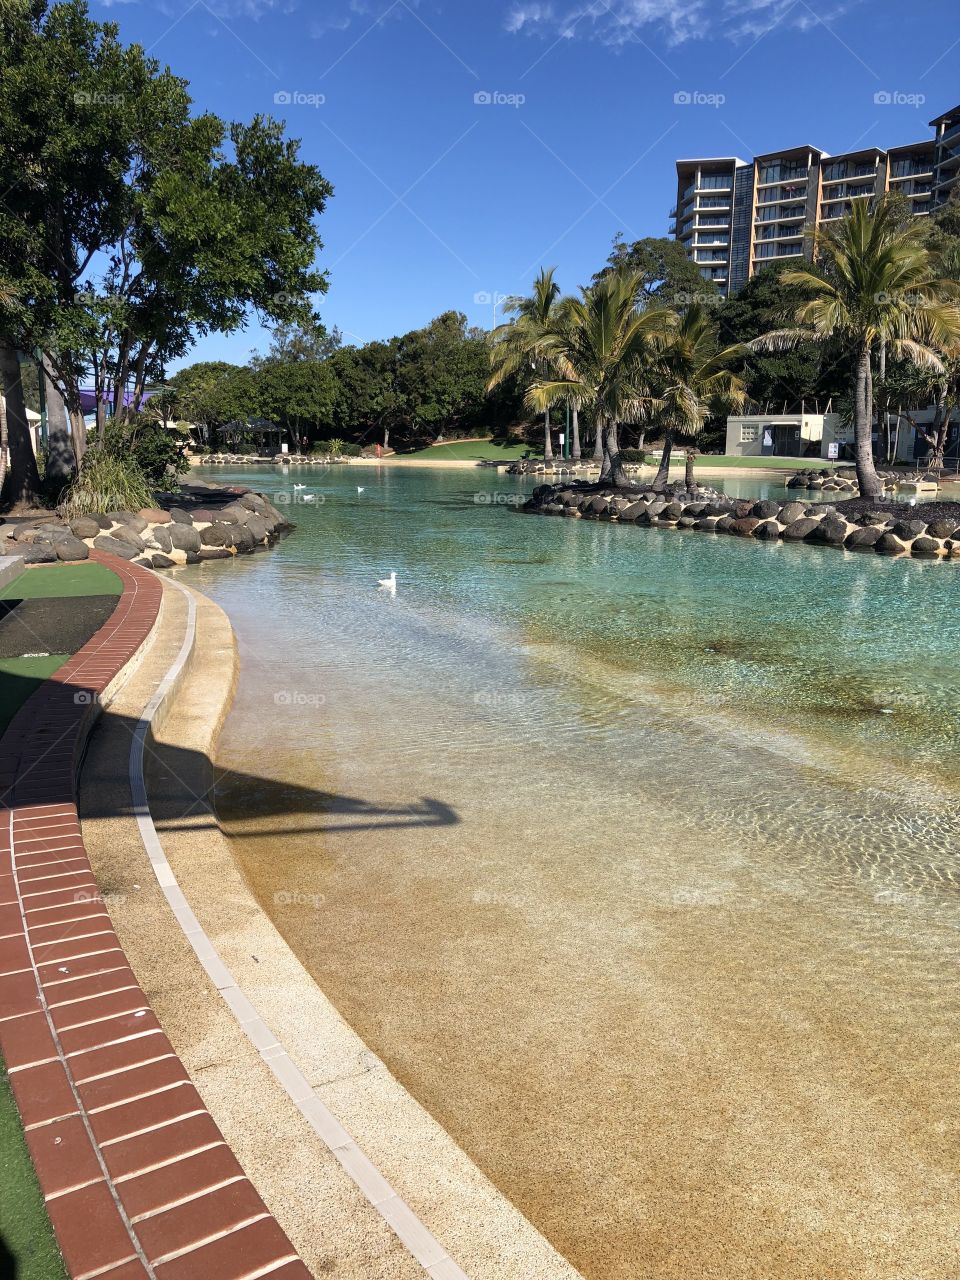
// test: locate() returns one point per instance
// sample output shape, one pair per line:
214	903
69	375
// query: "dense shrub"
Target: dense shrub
105	482
157	452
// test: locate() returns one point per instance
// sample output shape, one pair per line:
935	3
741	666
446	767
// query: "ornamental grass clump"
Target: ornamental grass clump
105	483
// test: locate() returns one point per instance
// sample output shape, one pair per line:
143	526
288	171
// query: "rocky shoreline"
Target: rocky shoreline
883	527
197	523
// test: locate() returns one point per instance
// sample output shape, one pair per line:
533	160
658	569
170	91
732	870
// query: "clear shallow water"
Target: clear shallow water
632	852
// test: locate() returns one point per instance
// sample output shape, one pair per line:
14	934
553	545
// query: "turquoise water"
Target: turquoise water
579	788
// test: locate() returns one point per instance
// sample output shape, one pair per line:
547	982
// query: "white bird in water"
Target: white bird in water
360	488
299	486
309	497
389	584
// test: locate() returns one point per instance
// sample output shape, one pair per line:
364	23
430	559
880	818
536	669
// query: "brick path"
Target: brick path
137	1178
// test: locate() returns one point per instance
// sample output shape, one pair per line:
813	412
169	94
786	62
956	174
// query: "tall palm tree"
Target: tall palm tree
692	380
515	343
598	356
881	287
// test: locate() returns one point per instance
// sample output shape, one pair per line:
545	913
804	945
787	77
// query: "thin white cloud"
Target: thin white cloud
620	22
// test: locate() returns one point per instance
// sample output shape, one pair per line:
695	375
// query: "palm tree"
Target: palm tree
597	356
880	287
515	343
692	380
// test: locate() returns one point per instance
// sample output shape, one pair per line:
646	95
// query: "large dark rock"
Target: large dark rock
797	530
252	501
768	531
725	524
160	537
744	527
129	518
37	553
867	536
832	531
765	510
71	548
154	515
926	547
942	528
161	562
742	508
179	516
890	545
216	535
628	514
125	533
125	550
791	511
907	529
184	537
672	511
84	527
242	538
214	553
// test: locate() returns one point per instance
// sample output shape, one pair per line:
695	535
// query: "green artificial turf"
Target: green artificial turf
28	1248
19	678
47	581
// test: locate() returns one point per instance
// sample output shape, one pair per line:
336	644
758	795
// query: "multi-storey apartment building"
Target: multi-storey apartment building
735	216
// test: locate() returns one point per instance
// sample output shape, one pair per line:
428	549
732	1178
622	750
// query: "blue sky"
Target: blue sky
471	141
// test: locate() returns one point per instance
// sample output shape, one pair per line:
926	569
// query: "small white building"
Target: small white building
781	435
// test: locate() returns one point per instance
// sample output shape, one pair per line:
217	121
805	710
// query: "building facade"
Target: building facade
735	216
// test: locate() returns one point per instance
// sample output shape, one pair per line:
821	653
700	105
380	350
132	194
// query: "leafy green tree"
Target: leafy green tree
879	286
666	274
130	225
515	344
307	339
692	379
298	395
599	357
212	393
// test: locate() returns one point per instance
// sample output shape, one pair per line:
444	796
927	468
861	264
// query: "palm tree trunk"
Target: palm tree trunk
575	446
598	441
867	478
663	473
689	479
617	475
22	480
547	442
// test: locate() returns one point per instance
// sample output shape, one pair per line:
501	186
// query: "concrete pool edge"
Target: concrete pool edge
329	1067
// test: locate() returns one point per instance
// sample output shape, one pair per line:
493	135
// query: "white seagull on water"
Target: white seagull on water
360	488
299	486
389	584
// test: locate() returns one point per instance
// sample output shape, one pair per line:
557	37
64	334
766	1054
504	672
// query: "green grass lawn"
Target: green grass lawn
28	1249
51	581
469	451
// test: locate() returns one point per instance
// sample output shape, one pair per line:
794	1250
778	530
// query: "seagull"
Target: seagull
309	497
389	584
360	488
299	486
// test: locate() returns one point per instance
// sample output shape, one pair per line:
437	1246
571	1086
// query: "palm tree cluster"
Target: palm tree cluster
880	289
620	359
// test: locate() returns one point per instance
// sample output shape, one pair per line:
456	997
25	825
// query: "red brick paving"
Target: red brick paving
137	1178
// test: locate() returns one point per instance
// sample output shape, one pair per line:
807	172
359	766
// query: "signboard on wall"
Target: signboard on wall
833	450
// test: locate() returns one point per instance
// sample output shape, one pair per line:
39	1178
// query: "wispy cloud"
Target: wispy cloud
620	22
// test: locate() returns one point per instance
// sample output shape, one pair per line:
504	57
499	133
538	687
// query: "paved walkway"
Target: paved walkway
137	1178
